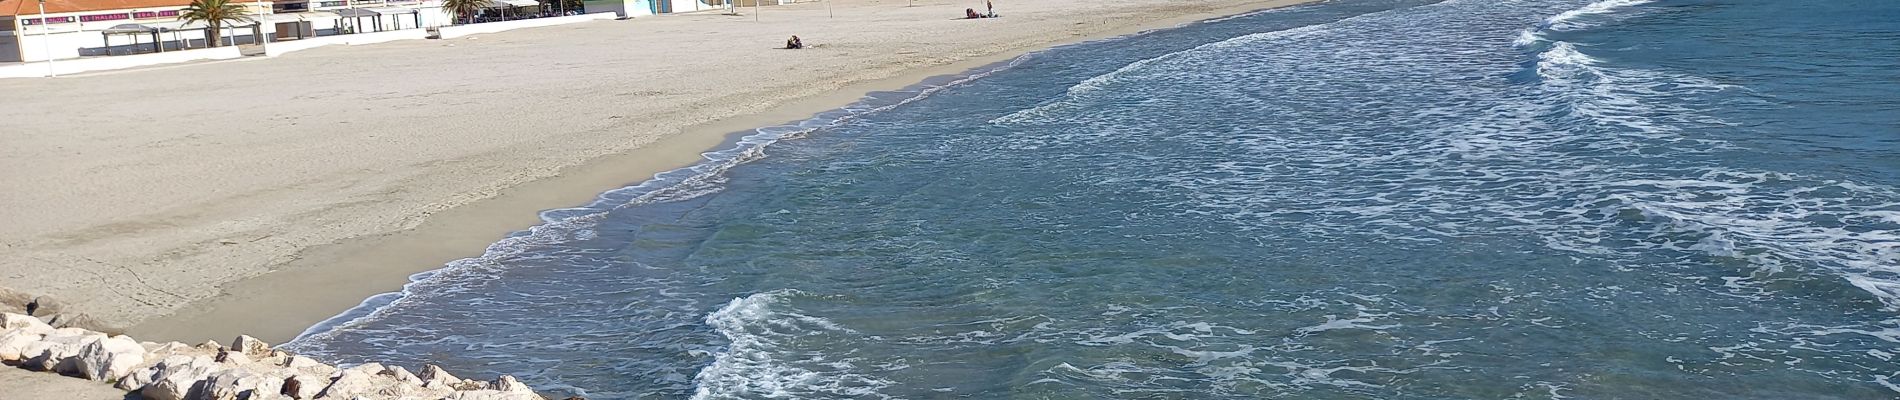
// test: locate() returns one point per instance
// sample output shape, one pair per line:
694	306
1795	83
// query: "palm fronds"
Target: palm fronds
214	14
465	9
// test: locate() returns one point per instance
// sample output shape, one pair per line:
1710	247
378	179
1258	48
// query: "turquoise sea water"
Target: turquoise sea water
1352	199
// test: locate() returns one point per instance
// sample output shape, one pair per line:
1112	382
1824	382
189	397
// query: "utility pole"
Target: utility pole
262	11
46	41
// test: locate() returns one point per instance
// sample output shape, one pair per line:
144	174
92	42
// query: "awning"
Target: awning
371	12
284	18
319	15
393	10
131	29
513	3
357	12
173	26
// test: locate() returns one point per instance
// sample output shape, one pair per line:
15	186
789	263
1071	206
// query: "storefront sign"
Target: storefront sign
103	17
152	14
333	4
50	20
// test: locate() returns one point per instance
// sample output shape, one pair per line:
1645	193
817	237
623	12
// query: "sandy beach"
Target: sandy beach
260	196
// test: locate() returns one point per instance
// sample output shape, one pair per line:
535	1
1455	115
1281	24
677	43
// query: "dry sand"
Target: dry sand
264	195
20	384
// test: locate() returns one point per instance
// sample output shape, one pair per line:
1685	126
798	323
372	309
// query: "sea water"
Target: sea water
1392	199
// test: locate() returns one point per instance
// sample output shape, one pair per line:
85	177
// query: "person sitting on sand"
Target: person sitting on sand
794	43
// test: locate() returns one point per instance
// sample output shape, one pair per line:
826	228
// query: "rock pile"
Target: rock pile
53	311
247	369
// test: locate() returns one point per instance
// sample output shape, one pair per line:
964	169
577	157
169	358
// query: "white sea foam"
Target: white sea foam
1577	19
1363	321
757	361
1080	93
1527	37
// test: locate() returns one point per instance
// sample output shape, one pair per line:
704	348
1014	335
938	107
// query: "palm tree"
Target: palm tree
214	13
464	8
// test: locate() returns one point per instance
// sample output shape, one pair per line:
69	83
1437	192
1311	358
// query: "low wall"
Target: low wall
685	6
274	49
451	32
78	65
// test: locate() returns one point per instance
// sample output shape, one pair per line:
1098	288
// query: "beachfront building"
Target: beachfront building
633	8
87	28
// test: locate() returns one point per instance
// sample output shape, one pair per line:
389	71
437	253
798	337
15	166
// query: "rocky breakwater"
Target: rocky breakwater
246	369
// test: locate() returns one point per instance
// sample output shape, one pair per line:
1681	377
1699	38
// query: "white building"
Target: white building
88	28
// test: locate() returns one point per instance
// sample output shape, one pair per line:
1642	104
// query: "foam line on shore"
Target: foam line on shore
705	177
698	179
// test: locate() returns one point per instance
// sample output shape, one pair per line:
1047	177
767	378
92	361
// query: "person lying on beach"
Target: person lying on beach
970	13
794	43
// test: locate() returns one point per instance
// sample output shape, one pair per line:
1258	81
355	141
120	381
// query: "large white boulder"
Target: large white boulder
155	353
234	357
250	346
368	368
160	351
235	384
350	383
472	384
228	385
13	342
402	376
507	383
296	364
179	377
307	364
305	386
435	377
147	374
52	352
109	358
10	321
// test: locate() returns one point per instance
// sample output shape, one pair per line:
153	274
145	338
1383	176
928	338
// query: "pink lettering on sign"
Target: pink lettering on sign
144	15
48	20
103	17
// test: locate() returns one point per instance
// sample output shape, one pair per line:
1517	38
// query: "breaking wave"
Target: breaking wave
756	363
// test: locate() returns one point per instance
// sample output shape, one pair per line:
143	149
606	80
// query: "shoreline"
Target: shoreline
323	281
